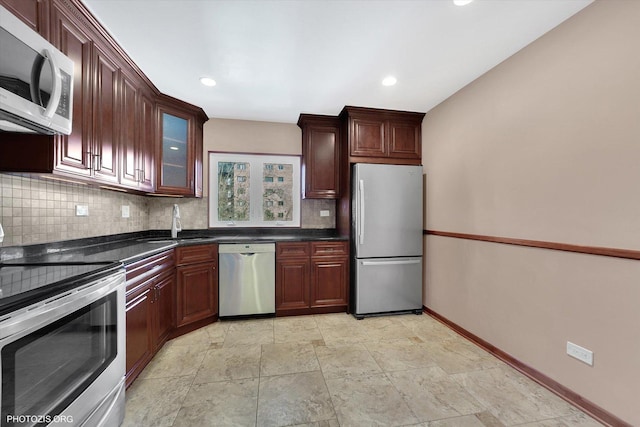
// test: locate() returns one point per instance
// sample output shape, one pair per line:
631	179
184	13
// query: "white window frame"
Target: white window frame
256	162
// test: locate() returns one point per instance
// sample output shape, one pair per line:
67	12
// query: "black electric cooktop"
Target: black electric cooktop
24	284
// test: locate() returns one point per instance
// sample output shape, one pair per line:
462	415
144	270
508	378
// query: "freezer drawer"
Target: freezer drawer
247	279
388	284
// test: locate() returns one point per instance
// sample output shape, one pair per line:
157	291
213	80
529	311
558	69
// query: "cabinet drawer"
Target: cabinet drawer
155	265
292	250
329	249
195	254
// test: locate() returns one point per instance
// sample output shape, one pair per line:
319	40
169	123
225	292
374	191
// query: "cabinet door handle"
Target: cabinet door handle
88	160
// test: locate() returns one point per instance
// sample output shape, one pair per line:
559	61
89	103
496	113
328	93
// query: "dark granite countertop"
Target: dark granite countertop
23	285
30	273
130	247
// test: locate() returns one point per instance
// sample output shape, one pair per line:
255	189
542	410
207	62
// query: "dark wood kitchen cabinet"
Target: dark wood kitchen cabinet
136	134
74	39
197	286
140	347
329	274
115	125
383	136
90	152
34	13
311	277
150	309
292	278
105	141
180	127
321	144
92	148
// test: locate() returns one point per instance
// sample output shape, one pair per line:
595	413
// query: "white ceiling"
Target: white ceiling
274	59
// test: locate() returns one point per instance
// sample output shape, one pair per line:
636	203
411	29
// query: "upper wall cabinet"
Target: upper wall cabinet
179	131
34	13
320	156
383	135
73	37
116	137
137	123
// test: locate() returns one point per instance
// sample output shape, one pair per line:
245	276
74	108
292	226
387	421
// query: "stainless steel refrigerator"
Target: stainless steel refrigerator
387	238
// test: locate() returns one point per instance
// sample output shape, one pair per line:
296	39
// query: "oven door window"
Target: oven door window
43	372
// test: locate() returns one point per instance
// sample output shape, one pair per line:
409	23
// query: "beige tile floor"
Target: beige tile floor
332	370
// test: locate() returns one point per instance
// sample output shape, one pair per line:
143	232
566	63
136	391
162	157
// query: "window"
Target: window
247	190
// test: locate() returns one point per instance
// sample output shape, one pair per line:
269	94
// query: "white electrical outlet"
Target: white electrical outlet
125	211
580	353
324	213
82	210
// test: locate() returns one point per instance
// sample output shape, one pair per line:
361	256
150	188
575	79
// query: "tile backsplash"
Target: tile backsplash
38	210
194	213
43	210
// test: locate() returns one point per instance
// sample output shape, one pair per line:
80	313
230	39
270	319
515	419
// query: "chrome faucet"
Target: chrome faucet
176	225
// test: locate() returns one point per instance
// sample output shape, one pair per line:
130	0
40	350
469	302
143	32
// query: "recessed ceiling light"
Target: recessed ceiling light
461	2
207	81
389	81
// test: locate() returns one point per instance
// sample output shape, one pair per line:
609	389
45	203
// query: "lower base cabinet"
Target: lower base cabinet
150	310
139	334
165	309
311	277
168	294
328	282
175	292
197	285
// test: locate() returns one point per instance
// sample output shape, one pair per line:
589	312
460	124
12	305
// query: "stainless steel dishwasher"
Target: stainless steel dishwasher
247	280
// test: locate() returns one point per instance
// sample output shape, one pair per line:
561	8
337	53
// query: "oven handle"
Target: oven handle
32	318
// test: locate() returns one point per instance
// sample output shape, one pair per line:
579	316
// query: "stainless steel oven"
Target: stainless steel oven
63	355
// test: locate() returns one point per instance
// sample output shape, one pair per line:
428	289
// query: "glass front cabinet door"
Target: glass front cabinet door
180	146
175	148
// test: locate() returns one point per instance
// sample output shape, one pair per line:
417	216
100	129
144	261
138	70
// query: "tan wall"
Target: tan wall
244	136
546	146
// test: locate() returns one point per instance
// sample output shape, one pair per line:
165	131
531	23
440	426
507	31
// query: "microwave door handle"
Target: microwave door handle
34	87
56	92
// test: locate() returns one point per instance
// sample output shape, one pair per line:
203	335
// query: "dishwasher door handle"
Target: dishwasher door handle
247	253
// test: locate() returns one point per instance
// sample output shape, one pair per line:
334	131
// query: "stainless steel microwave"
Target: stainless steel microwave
36	81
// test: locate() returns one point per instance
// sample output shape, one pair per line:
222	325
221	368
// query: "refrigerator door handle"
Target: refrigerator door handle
361	222
392	262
